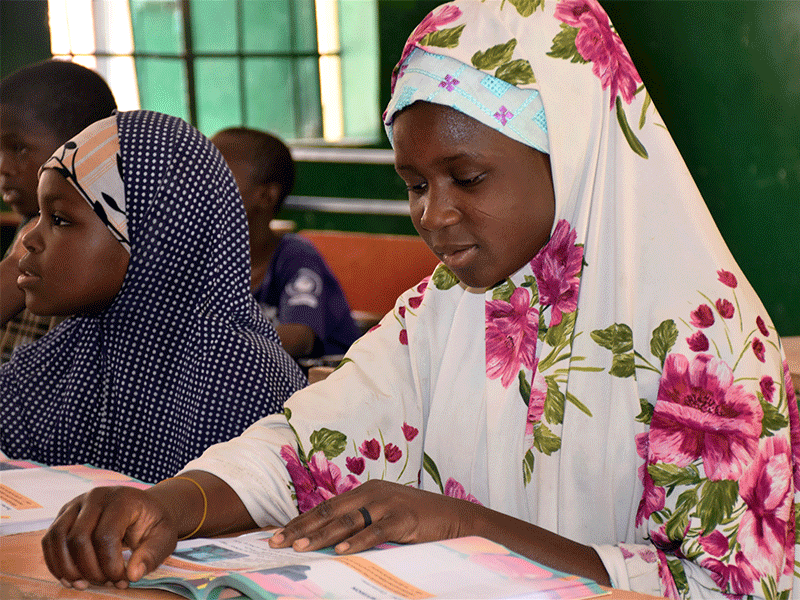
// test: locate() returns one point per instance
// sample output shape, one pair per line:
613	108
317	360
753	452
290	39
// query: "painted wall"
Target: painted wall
724	75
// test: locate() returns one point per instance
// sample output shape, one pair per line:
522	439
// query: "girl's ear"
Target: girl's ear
269	195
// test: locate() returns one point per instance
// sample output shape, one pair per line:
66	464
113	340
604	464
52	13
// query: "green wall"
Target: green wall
725	76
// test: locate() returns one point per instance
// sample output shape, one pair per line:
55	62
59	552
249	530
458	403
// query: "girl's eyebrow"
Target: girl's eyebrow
443	161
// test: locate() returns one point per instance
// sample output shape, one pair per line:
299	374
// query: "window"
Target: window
306	70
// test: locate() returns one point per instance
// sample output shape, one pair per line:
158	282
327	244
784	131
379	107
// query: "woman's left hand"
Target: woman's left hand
398	513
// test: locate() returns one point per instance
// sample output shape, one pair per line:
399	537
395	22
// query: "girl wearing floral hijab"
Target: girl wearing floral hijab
587	377
143	238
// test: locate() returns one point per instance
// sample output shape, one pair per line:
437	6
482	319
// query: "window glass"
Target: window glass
262	34
269	88
214	26
358	30
249	62
162	86
157	26
219	98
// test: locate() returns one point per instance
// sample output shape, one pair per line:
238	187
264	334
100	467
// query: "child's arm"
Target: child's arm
84	544
296	338
13	298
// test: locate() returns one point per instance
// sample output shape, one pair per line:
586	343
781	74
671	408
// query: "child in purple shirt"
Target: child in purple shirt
290	280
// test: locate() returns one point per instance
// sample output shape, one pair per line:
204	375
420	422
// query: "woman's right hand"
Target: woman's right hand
84	544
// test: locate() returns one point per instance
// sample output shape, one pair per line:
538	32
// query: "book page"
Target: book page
462	568
31	495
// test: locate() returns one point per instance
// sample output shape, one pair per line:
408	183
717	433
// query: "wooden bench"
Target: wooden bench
373	269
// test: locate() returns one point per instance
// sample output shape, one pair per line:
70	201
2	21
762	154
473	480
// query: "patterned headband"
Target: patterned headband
92	164
515	112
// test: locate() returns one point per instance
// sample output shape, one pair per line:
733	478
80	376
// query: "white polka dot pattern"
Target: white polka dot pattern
182	358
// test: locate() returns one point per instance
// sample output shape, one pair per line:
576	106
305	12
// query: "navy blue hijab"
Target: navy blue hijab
182	358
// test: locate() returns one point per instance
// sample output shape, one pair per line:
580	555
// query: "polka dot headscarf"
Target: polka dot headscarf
181	359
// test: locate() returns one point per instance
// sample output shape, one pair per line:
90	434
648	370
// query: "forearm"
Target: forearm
296	339
536	543
183	502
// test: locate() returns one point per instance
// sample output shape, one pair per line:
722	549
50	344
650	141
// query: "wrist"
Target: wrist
183	502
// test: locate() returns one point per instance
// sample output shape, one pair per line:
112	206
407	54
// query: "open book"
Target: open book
471	567
31	494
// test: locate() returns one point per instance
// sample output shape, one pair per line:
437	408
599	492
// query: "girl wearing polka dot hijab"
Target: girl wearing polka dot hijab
142	237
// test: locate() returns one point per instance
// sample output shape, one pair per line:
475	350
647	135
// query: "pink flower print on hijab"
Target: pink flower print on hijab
455	490
727	278
409	432
762	327
511	330
597	43
557	267
431	23
702	316
320	481
700	412
698	342
766	487
536	402
371	449
739	575
714	543
725	308
653	496
759	350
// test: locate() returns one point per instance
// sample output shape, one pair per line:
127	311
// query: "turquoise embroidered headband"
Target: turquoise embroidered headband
515	112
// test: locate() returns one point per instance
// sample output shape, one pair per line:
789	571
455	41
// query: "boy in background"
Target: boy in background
291	282
41	107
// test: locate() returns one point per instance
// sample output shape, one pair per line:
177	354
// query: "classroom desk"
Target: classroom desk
24	575
791	346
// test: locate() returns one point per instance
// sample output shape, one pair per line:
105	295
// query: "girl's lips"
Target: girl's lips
26	279
11	196
458	259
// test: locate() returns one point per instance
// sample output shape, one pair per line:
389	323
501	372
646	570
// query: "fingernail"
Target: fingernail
278	537
66	583
302	543
342	547
136	572
80	584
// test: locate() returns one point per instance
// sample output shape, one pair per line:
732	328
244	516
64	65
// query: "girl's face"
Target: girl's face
483	202
73	264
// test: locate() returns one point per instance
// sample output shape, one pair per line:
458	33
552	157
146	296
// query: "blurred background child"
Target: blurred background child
293	285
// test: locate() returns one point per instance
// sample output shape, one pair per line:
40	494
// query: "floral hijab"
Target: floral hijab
625	389
181	358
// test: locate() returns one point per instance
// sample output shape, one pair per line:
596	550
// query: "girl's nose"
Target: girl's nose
32	239
438	210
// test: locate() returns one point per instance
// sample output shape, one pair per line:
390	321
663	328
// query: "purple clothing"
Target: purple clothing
300	288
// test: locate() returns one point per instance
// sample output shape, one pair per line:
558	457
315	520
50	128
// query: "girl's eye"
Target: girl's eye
416	188
58	221
469	181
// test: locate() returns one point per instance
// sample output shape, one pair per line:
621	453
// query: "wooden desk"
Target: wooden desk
791	346
24	574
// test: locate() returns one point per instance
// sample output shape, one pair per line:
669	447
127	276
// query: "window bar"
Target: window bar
189	57
295	82
240	62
